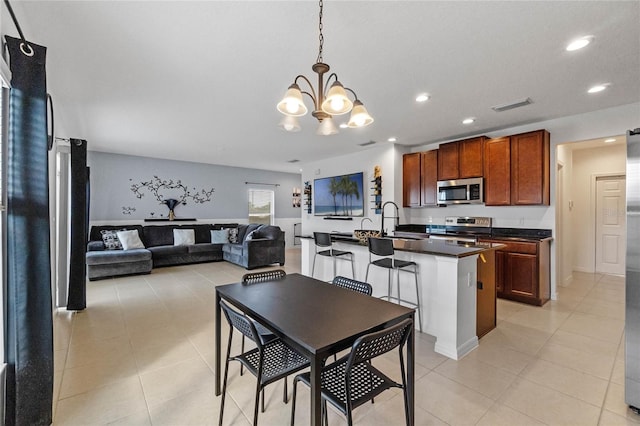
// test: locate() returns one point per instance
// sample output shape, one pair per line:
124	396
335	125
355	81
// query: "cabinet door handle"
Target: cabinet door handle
480	285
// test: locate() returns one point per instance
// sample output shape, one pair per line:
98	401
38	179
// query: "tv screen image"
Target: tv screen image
339	196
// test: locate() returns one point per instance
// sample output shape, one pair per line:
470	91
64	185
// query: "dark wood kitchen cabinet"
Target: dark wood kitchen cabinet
523	271
486	297
461	159
419	179
517	170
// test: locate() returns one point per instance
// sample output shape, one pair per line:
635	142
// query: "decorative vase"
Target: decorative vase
171	215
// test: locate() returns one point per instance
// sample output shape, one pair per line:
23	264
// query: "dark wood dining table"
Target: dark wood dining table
316	318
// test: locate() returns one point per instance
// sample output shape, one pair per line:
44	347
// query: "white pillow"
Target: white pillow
220	236
184	237
130	239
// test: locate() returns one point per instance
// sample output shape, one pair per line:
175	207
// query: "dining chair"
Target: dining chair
255	278
269	361
382	254
353	285
353	380
324	247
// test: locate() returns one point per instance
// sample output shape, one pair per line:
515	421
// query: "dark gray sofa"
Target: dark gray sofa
264	247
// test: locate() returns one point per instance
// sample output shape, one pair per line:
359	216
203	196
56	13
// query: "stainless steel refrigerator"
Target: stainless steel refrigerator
632	316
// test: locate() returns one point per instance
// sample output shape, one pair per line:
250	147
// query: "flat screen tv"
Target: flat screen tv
339	196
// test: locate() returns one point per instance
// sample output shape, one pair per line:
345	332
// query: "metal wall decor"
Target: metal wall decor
156	185
128	210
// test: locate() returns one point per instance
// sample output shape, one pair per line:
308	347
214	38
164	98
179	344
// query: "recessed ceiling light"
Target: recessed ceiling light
609	140
468	120
422	97
392	139
343	125
597	88
579	43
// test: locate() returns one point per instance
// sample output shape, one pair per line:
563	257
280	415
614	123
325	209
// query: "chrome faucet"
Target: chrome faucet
362	221
396	217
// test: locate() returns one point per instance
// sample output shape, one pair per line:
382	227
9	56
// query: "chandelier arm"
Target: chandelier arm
352	92
327	86
313	95
313	99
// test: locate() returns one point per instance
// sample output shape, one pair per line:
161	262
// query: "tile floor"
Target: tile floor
142	354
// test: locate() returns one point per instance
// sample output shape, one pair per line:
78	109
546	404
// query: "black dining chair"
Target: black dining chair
382	254
324	247
256	278
353	380
270	361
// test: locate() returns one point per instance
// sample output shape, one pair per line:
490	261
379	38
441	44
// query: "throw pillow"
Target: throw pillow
110	240
220	236
233	235
184	237
130	239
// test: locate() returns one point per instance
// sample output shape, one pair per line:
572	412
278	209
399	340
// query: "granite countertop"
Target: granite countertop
426	246
528	234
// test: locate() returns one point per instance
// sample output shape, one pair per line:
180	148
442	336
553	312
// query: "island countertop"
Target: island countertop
427	246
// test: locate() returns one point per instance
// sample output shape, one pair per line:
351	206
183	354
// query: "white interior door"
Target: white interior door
610	225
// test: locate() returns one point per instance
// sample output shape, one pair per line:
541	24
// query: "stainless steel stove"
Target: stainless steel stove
465	229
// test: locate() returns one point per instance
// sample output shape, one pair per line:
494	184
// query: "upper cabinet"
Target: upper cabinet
419	179
517	169
461	159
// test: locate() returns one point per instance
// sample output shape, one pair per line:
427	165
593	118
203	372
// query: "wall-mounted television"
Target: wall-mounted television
339	196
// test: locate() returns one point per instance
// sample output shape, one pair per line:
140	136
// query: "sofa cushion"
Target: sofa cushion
268	232
204	247
117	256
244	230
184	237
130	239
110	239
202	231
159	235
217	226
220	236
233	235
163	251
95	233
235	249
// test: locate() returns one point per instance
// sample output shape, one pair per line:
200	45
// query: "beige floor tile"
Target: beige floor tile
449	401
502	357
594	364
164	355
604	308
608	418
100	373
548	405
566	380
176	380
607	293
92	351
595	326
102	405
391	412
520	338
584	343
541	319
501	415
618	375
140	418
484	378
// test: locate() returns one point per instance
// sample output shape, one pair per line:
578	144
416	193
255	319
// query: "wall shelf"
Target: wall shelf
164	219
376	195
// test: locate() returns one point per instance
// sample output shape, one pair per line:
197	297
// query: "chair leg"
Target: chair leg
262	404
334	266
284	396
257	402
293	400
313	268
325	414
242	351
224	379
415	275
366	276
353	268
389	286
398	283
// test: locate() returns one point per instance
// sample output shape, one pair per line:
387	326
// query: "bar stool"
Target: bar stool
382	248
324	247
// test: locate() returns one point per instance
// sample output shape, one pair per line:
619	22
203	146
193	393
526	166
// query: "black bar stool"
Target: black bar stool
324	247
383	249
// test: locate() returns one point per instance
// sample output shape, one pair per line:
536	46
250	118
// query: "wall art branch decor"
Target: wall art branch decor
179	193
128	210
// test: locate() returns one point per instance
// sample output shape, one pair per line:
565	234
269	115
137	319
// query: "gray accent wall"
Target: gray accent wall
113	174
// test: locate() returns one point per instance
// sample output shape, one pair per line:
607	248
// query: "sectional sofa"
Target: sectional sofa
247	245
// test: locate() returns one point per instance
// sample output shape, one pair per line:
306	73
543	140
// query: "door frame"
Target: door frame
593	209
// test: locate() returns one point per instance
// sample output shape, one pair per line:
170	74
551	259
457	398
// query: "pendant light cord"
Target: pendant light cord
320	37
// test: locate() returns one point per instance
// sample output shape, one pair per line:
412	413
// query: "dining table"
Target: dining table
316	318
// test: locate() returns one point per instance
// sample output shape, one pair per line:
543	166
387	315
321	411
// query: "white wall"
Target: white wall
587	164
564	246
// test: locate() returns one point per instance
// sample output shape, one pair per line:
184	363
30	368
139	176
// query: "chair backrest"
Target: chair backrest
381	246
322	239
350	284
264	276
380	342
241	322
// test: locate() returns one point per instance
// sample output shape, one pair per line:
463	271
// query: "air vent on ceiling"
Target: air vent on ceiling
293	161
517	104
367	143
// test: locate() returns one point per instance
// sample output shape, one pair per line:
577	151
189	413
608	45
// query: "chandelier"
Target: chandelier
325	105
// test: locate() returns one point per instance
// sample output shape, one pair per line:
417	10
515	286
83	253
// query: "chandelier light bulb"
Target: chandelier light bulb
337	103
359	116
327	127
290	124
292	103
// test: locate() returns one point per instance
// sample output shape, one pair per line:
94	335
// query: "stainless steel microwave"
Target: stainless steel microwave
461	191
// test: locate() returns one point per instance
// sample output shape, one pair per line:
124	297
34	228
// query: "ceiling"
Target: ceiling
199	81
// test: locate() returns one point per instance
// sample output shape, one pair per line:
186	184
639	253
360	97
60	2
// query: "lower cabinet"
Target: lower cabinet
486	297
523	271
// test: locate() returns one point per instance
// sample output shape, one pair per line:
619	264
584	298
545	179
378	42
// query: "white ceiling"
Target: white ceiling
199	81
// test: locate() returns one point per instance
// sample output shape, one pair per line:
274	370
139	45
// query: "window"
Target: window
4	119
261	206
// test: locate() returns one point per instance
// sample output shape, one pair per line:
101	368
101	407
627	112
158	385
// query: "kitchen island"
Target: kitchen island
447	274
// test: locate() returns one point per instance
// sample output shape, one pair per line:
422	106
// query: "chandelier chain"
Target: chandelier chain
320	37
